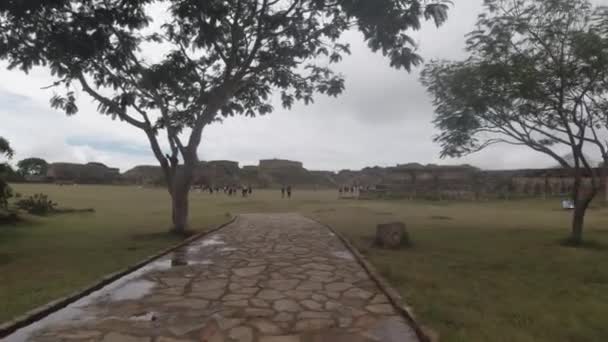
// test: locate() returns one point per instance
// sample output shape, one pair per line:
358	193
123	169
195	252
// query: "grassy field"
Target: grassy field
489	271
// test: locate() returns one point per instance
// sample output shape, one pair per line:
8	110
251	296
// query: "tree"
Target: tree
221	58
537	76
32	167
5	148
5	189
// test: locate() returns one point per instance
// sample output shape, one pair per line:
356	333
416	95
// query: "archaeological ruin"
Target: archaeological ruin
411	180
90	173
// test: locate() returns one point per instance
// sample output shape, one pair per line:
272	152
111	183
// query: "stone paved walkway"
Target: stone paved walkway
264	278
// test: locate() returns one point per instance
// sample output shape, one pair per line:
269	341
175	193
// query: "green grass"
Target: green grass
46	258
488	271
492	274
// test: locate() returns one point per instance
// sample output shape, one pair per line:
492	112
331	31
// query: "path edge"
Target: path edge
44	310
393	295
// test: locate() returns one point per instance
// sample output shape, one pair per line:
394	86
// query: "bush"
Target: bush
8	217
5	193
39	204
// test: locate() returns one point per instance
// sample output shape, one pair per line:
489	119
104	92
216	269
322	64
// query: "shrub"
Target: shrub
39	204
8	217
5	193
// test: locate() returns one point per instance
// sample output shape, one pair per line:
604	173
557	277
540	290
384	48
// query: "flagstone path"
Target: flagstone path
263	278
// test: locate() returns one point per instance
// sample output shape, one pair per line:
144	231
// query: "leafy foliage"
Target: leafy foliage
5	193
220	58
38	204
5	169
537	76
32	166
5	148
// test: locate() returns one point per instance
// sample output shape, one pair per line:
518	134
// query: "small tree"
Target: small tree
5	189
32	167
537	76
222	58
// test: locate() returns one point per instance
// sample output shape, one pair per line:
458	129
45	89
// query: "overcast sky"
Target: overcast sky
383	118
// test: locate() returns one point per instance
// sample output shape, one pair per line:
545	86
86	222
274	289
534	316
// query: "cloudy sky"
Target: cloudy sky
383	118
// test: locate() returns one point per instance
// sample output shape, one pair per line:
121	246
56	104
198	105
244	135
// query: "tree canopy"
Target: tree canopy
32	166
5	148
537	76
219	58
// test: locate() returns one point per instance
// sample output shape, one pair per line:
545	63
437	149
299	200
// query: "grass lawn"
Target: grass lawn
490	271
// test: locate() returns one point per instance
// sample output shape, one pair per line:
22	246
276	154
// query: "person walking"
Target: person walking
282	192
289	191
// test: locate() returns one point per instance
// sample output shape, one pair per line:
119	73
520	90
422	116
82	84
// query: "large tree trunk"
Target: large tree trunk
179	178
582	200
578	218
180	190
179	201
578	221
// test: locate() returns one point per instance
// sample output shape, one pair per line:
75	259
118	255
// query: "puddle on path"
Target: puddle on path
200	245
149	316
130	287
344	255
132	290
213	240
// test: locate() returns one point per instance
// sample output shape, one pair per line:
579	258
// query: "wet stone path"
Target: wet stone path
264	278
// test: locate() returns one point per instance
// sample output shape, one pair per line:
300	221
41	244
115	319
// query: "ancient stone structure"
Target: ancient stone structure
414	180
323	178
279	172
96	173
369	176
217	173
144	174
411	180
279	164
467	182
249	176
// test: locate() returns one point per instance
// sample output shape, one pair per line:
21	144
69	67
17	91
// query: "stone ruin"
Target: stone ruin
271	173
467	182
90	173
411	180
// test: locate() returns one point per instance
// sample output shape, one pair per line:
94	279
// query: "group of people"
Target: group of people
349	189
233	190
352	190
230	190
286	190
